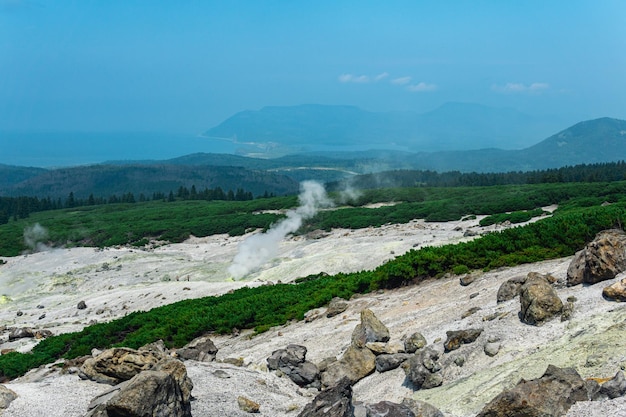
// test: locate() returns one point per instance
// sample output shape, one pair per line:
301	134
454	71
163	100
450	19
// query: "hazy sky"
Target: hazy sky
184	66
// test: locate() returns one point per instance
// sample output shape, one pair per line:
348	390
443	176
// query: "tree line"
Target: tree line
599	172
21	207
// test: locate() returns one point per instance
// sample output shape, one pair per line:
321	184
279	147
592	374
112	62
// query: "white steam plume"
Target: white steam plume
260	248
33	237
348	193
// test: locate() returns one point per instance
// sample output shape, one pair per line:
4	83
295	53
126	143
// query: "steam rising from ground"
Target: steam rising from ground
33	237
260	248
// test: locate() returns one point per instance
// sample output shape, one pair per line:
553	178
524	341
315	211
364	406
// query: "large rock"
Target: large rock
423	369
117	365
615	387
6	397
148	394
355	364
549	396
386	362
201	349
510	289
291	361
21	333
421	408
602	259
369	330
388	409
414	342
456	338
178	371
615	292
336	306
332	402
539	300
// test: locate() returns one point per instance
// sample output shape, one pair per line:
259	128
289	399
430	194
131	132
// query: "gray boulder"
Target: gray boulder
423	369
6	397
369	330
201	349
551	395
421	408
291	362
615	387
148	394
510	289
386	363
414	342
21	333
539	301
456	338
388	409
117	365
355	364
601	259
332	402
336	306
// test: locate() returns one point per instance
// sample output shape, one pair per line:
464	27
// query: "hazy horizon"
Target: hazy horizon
185	67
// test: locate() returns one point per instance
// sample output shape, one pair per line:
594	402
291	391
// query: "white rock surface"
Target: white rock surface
134	279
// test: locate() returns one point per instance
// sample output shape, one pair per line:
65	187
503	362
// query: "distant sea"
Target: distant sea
76	148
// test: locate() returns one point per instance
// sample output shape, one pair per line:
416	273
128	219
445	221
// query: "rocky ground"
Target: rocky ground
47	287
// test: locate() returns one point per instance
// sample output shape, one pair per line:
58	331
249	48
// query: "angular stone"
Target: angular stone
539	301
335	401
510	289
117	365
600	260
616	291
247	405
422	369
456	338
6	397
421	408
386	363
388	409
355	364
615	387
551	395
200	349
336	306
369	330
149	393
414	342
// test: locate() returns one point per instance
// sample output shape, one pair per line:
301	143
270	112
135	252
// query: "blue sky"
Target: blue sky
184	66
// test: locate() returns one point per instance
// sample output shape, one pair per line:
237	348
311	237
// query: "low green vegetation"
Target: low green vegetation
135	224
580	216
512	217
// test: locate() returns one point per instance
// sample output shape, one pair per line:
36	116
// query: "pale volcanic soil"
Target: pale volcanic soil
46	288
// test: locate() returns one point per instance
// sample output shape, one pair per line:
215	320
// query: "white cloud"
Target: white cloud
350	78
381	76
520	88
421	87
401	80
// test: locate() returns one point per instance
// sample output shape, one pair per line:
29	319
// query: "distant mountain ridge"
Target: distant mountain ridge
453	126
588	142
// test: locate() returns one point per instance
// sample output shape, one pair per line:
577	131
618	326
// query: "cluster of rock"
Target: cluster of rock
551	395
369	351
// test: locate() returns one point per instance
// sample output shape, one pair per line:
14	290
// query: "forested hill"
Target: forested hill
107	180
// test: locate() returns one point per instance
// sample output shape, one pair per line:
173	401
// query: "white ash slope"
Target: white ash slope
139	280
